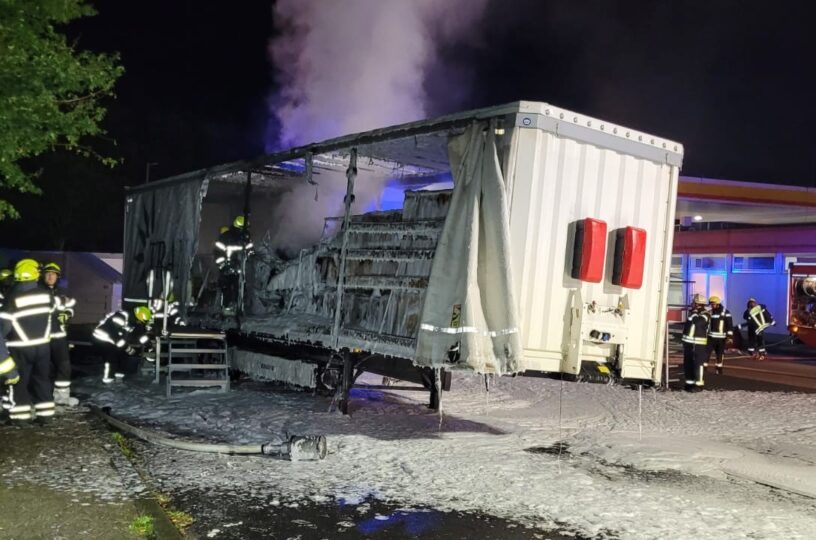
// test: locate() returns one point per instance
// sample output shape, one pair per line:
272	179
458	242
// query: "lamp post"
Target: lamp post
147	170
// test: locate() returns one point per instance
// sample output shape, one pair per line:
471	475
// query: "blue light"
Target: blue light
413	523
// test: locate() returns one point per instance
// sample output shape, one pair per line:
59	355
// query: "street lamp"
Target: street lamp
147	170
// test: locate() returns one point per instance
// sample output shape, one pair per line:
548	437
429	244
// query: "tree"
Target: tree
50	93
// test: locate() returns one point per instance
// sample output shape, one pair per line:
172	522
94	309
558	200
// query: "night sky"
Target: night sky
733	81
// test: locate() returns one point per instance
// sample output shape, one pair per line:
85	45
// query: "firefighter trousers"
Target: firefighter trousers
229	283
716	346
61	362
34	392
117	361
756	342
693	358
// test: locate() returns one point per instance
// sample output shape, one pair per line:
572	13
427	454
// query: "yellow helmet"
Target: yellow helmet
714	300
27	270
6	273
238	222
143	313
52	267
223	229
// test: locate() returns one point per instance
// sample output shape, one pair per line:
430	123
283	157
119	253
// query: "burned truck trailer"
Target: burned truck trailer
521	238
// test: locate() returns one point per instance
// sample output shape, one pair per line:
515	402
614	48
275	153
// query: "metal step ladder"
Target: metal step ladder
189	361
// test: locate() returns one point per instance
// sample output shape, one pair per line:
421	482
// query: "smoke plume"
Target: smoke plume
345	66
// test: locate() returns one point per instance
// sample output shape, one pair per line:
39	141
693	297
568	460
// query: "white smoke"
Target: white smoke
345	66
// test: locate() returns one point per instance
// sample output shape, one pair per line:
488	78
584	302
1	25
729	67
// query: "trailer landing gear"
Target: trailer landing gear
350	365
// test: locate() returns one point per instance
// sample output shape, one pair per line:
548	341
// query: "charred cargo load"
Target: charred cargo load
521	238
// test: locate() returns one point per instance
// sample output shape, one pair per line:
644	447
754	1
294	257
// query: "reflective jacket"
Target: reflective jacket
722	324
118	330
63	311
758	317
229	246
157	306
26	315
695	330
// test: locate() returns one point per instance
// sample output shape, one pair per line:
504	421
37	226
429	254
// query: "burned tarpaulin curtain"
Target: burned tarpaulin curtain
469	318
161	234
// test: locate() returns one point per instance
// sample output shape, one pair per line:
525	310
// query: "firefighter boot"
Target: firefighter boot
62	396
719	369
106	376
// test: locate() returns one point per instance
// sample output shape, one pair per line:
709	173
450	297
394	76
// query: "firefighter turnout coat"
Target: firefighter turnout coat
695	331
758	318
26	316
118	330
722	324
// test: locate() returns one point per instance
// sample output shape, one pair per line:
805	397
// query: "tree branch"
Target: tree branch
71	101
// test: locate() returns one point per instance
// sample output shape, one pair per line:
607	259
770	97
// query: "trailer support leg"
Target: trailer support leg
347	381
436	398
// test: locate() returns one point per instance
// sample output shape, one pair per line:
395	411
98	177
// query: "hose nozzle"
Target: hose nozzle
298	448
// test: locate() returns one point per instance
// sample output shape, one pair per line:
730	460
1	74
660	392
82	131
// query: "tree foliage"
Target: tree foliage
51	93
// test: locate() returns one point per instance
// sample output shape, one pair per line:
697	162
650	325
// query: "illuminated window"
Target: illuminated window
754	263
707	262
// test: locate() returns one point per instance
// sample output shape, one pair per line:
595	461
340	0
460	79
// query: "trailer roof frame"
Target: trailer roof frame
539	116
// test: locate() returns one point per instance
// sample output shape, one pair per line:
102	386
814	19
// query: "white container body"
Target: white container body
563	168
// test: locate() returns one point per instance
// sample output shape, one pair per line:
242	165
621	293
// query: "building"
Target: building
737	240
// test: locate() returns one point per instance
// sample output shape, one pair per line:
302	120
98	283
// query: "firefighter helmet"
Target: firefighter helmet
714	300
223	229
699	300
143	313
27	270
238	222
6	273
750	300
52	267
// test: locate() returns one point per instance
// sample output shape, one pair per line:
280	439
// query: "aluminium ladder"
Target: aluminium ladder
187	355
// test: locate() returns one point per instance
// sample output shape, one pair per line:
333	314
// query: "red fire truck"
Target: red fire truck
802	303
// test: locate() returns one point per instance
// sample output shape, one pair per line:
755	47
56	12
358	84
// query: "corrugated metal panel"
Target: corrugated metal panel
558	181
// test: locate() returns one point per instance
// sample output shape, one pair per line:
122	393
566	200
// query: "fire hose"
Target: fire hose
295	448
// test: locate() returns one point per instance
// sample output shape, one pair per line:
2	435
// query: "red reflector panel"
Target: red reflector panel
589	250
630	255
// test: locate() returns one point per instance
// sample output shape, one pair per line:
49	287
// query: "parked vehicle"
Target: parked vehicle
802	303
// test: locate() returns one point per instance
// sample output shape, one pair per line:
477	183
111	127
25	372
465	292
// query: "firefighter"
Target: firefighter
26	320
758	319
9	376
120	336
60	356
695	344
720	332
231	249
